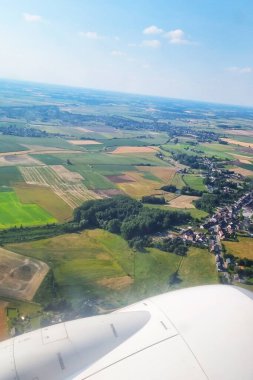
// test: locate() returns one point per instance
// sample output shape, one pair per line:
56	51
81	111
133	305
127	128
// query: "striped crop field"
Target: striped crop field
71	192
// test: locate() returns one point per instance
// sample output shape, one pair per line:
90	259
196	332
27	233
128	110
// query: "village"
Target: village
224	224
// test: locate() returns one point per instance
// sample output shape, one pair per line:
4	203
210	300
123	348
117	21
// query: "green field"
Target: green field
198	268
46	199
177	181
10	144
93	263
9	175
14	213
195	213
194	181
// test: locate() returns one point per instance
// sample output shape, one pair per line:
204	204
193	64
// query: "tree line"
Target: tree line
127	217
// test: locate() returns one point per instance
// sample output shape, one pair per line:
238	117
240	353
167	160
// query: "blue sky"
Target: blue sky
190	49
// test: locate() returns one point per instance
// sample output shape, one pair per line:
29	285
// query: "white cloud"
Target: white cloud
240	70
151	43
145	66
32	18
91	35
118	53
177	37
152	30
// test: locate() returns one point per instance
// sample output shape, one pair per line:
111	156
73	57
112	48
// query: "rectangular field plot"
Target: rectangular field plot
136	185
9	144
183	201
9	176
45	198
165	174
65	184
242	249
20	277
15	213
134	149
194	181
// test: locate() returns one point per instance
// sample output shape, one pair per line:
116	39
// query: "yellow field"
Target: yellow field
165	174
46	198
243	248
242	171
140	186
134	149
183	201
243	159
83	142
236	142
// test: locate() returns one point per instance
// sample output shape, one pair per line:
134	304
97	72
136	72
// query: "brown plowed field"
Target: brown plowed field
20	276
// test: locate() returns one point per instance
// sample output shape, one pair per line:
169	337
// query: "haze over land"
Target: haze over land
185	49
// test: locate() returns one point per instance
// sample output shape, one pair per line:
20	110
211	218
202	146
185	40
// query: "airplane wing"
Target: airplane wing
196	333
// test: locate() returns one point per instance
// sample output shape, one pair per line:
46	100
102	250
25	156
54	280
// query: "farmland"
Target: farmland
133	149
198	267
96	263
194	181
243	248
46	199
15	213
99	145
183	201
70	189
20	277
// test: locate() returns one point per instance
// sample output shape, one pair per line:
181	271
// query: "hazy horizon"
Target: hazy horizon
66	86
199	51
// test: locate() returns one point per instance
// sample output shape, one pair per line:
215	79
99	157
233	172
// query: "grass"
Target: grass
15	213
217	150
52	142
45	198
198	268
49	159
100	158
9	175
9	144
81	261
194	181
92	179
177	181
243	248
195	213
